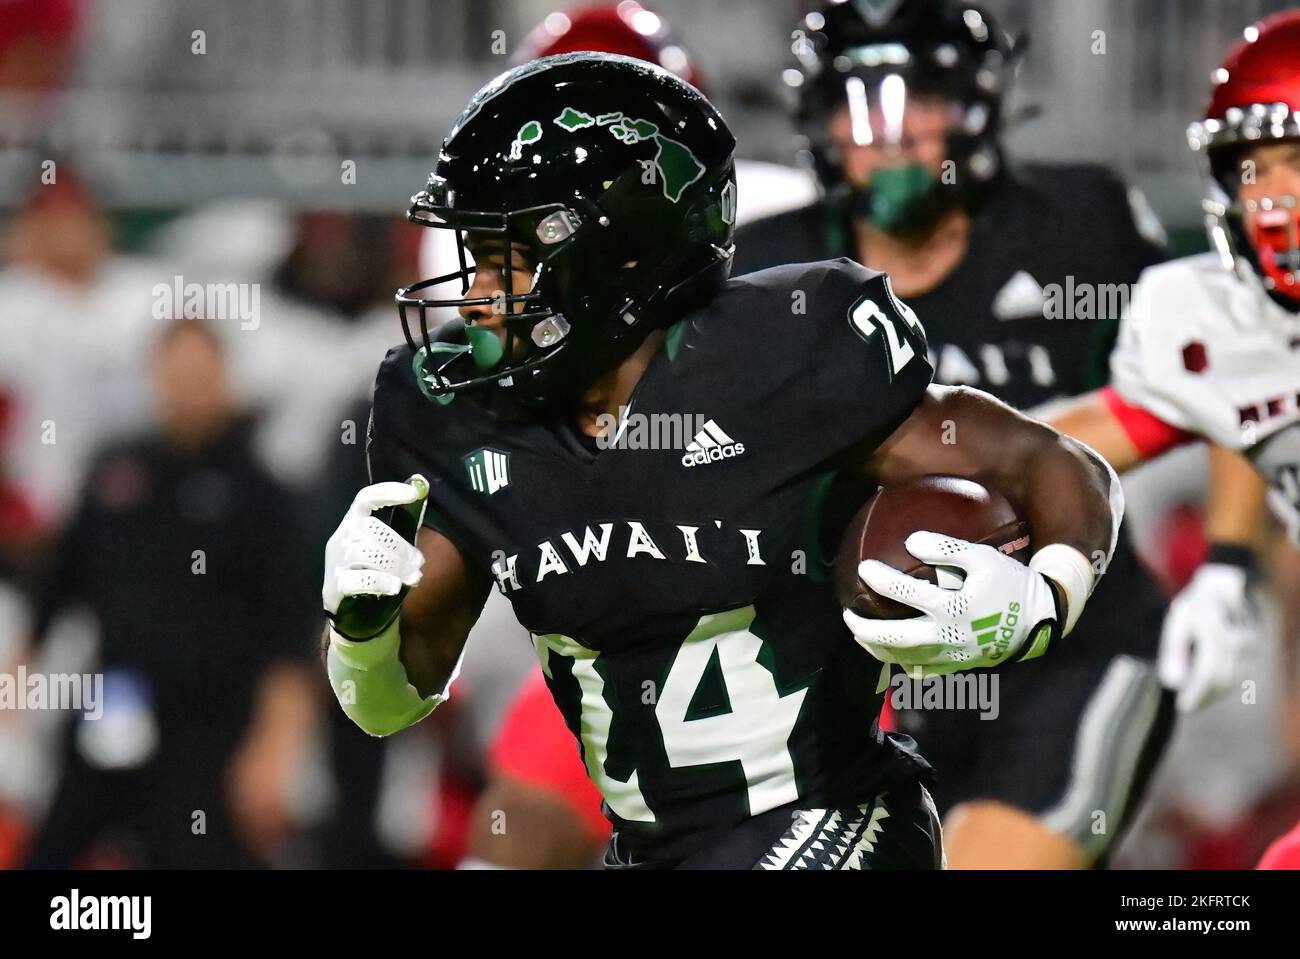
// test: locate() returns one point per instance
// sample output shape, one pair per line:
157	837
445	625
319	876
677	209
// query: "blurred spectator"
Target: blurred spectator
38	40
18	535
18	524
539	810
77	319
208	695
324	323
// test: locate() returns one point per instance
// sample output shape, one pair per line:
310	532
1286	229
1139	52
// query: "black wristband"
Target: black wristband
1232	554
1056	627
334	624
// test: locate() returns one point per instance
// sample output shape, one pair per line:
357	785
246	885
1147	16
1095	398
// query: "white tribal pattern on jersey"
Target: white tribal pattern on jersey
1207	351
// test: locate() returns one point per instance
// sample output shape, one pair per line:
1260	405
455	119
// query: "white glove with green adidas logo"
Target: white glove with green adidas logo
1002	610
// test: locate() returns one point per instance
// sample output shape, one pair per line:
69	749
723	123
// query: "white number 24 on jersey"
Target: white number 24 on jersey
869	319
755	732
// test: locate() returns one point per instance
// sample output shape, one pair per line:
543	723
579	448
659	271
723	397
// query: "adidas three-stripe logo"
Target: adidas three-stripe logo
986	629
710	445
999	630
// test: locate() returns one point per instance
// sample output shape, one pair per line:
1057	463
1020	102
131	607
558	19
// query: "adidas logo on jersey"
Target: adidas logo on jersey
710	445
1021	298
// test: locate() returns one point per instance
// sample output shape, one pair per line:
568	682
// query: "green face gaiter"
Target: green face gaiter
900	196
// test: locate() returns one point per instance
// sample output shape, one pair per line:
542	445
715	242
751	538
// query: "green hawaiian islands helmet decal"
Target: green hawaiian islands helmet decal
571	120
530	132
675	165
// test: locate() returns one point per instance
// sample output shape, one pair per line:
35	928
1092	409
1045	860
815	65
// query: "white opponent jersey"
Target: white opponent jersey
1207	352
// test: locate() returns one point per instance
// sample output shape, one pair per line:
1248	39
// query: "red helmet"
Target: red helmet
627	28
1256	99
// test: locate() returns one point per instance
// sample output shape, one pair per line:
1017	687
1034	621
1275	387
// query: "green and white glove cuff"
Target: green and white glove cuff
371	684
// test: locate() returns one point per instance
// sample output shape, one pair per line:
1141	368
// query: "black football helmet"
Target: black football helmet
617	176
869	54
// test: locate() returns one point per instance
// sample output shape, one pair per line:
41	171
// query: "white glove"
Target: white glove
1207	629
1001	607
365	556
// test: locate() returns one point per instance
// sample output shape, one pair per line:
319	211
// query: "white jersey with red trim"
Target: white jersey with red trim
1208	352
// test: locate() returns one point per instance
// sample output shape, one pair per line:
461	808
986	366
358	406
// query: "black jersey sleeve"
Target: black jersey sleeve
872	365
859	352
404	426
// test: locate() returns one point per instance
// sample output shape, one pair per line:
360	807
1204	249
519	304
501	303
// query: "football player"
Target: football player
685	626
1210	348
901	108
527	778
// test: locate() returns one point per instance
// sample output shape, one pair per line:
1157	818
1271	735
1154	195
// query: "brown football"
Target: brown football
942	504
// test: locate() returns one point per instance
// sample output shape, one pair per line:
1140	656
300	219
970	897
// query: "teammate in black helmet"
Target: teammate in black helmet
933	75
643	456
900	110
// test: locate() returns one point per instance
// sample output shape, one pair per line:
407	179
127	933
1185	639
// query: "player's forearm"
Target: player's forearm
1074	505
1235	507
438	614
431	658
1065	489
386	682
1087	419
1070	494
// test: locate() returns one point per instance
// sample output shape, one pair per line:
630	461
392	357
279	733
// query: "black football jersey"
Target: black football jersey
1030	313
675	580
